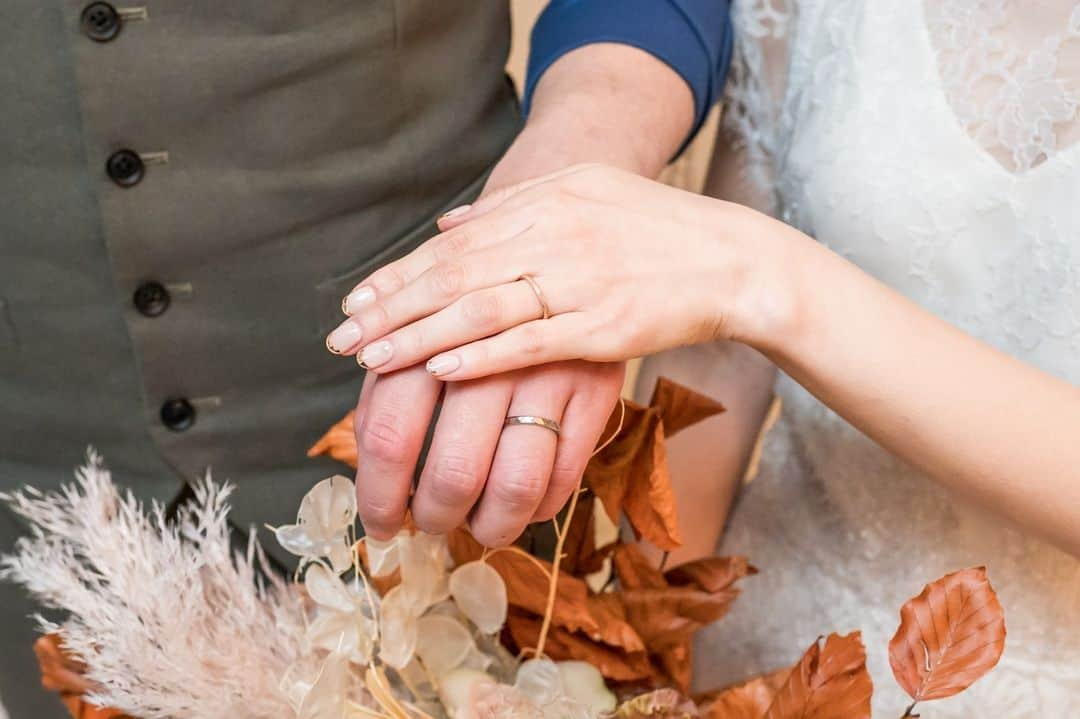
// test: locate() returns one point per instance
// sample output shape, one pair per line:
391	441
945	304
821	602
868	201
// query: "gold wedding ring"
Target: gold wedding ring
531	281
528	419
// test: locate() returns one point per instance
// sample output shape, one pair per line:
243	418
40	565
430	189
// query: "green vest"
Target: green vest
187	192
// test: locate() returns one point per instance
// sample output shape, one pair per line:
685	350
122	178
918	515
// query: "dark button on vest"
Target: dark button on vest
125	168
152	299
101	22
177	414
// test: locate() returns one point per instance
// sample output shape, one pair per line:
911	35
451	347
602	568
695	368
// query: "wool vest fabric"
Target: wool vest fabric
187	190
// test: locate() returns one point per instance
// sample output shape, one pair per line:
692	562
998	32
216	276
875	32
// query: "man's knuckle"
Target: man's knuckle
383	438
378	512
454	480
522	486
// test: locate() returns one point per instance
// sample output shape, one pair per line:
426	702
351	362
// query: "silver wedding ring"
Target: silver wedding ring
535	286
528	419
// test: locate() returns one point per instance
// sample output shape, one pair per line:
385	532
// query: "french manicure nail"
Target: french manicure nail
357	300
443	364
345	337
457	211
376	354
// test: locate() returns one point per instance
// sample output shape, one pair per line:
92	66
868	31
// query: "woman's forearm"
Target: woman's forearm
981	422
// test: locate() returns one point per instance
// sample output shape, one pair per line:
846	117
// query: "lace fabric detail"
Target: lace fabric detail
936	147
1013	101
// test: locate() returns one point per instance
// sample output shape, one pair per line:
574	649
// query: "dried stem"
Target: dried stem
516	550
561	532
910	711
359	710
379	689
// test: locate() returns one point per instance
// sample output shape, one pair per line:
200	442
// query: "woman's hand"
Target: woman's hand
623	266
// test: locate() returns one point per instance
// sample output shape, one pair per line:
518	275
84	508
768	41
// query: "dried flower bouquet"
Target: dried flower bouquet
166	620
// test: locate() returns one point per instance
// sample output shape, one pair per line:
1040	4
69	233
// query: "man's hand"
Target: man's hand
497	478
606	103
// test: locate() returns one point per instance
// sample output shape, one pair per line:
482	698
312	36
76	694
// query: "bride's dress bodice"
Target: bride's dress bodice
936	147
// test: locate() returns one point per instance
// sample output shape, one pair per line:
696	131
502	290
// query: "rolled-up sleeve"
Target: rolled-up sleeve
694	37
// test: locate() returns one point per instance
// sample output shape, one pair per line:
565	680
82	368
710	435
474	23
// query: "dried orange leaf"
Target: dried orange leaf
666	610
615	664
649	504
630	475
634	569
63	674
339	442
829	682
681	406
949	636
749	700
675	661
711	574
59	671
608	473
526	582
580	555
608	610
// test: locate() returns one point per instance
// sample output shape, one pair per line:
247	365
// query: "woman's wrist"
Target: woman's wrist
766	304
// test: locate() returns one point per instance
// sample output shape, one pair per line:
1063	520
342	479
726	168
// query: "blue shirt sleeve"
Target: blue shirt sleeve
694	37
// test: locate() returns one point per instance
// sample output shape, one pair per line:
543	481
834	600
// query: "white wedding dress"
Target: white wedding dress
935	144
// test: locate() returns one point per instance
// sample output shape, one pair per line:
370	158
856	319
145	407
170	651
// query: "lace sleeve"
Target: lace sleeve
744	162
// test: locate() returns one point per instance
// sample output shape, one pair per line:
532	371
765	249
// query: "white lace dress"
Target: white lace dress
935	146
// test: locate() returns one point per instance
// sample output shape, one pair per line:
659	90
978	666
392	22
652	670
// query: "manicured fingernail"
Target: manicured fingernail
443	364
457	211
357	300
345	337
376	354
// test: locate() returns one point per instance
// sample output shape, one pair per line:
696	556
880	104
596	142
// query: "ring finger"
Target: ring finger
474	317
435	289
522	466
